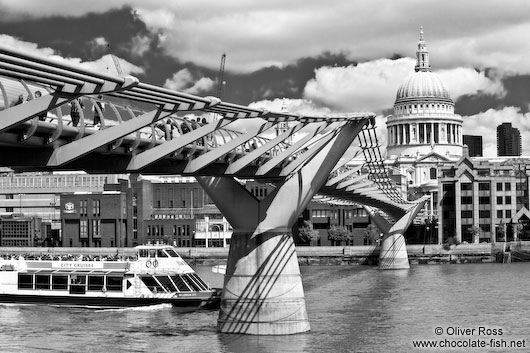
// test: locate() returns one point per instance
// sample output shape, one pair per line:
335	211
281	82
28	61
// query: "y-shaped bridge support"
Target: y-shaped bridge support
393	254
263	293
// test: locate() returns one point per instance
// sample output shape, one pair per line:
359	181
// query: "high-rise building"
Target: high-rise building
474	145
508	140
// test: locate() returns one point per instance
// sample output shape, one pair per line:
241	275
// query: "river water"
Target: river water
351	309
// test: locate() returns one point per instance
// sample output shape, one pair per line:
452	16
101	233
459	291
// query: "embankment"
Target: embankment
318	255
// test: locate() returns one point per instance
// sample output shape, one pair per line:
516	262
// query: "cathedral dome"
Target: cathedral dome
421	85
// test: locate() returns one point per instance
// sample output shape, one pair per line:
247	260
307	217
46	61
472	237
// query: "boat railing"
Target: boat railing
68	257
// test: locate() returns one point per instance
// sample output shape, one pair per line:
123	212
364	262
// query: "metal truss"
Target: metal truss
42	133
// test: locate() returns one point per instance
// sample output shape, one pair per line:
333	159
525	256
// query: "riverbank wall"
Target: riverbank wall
318	255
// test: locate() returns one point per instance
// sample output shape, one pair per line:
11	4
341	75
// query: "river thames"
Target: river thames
351	309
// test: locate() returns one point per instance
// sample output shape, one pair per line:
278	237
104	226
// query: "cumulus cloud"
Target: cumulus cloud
463	81
372	86
294	106
99	42
139	45
183	80
484	124
103	64
369	86
261	33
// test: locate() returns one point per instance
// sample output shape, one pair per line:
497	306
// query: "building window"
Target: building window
499	200
467	214
83	208
432	173
500	214
485	227
484	200
499	186
483	186
467	200
96	226
508	213
83	229
484	214
95	208
508	200
10	209
507	186
466	186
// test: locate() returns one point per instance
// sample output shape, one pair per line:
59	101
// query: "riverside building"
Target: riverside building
484	200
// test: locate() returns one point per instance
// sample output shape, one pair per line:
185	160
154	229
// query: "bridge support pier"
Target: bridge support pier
262	292
393	253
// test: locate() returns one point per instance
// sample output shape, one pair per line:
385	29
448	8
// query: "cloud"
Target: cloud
263	33
294	106
369	86
139	45
273	33
485	124
462	81
183	80
103	64
372	85
14	43
99	42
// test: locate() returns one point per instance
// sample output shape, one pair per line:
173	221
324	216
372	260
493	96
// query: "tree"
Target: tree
307	234
371	234
339	234
475	232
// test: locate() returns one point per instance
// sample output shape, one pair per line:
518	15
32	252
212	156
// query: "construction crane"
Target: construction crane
220	77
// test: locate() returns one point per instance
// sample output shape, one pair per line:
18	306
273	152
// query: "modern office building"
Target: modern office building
484	200
474	145
22	231
508	140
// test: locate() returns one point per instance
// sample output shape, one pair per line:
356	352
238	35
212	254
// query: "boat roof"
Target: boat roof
155	246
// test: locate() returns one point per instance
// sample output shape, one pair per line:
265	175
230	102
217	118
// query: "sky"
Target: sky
312	56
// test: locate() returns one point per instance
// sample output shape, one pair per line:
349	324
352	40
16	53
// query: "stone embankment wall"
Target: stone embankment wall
315	255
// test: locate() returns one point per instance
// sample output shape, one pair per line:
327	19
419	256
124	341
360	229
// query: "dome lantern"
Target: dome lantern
422	55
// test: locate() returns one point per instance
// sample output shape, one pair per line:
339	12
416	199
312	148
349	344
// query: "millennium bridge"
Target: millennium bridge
331	158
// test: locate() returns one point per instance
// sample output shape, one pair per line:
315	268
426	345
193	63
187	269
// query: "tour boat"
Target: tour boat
156	275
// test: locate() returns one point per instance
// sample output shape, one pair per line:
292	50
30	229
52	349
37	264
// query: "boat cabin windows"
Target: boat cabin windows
25	281
152	284
166	282
145	253
181	284
42	281
77	284
95	283
198	280
192	283
59	282
114	284
171	253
